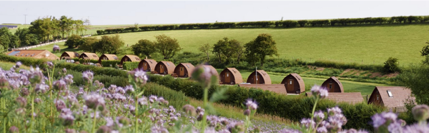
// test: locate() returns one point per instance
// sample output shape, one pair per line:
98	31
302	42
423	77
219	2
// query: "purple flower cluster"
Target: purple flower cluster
390	121
139	76
13	80
334	121
319	91
56	48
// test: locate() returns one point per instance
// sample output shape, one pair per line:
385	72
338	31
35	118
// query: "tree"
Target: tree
391	65
167	46
87	24
238	50
224	47
416	78
425	50
109	44
144	47
258	49
89	44
7	39
73	41
205	49
25	37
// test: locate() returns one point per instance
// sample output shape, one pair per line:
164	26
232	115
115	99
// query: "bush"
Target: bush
110	63
325	63
107	80
131	65
391	65
96	70
74	41
293	108
176	99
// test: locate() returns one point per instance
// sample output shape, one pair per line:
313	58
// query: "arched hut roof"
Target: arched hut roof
264	75
235	73
108	56
151	62
397	97
168	65
335	79
132	58
189	68
69	54
91	56
298	78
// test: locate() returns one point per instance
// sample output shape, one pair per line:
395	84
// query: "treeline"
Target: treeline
42	30
278	24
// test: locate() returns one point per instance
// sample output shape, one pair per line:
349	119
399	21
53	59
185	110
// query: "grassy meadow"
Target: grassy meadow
363	45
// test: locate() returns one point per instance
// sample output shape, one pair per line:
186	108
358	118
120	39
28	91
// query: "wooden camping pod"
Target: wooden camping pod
230	76
69	55
333	85
130	58
259	77
147	65
294	83
184	70
164	67
107	57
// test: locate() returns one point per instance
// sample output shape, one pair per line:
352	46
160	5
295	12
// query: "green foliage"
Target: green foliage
326	63
293	108
144	47
391	65
109	44
189	57
416	78
7	39
96	70
425	50
107	80
262	46
25	37
25	61
205	48
167	46
176	99
131	65
74	41
226	48
110	63
89	44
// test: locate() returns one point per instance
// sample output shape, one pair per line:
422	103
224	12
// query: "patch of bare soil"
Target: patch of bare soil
345	71
391	75
376	74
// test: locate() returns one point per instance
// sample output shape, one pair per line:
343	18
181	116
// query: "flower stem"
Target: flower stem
312	113
206	93
95	120
136	112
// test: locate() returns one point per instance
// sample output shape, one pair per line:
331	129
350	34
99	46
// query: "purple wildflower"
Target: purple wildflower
60	105
18	64
420	112
322	129
50	64
69	79
395	127
60	85
142	101
251	104
88	76
377	120
319	91
139	76
41	88
94	100
308	122
319	116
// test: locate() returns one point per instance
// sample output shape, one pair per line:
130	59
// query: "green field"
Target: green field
363	45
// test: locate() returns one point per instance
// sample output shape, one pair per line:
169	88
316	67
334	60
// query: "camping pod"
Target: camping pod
294	83
69	55
391	97
333	85
147	65
88	56
130	58
230	76
259	77
183	70
165	67
276	88
107	57
349	97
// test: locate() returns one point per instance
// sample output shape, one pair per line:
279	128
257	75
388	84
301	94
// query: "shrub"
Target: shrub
177	99
131	65
107	80
391	65
110	63
96	70
294	108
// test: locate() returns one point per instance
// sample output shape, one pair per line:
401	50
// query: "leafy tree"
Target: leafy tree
25	37
7	39
144	47
425	50
238	50
258	49
416	78
88	44
391	65
225	47
167	46
109	44
205	49
73	41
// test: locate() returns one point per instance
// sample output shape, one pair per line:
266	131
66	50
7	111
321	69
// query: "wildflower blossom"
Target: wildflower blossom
319	116
60	85
251	104
319	91
139	76
22	102
68	79
94	100
205	74
41	88
142	100
18	64
88	76
50	64
308	123
24	92
377	120
13	129
59	104
421	112
189	109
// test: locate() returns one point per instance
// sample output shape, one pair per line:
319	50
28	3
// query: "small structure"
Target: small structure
230	76
147	65
38	54
392	97
183	70
131	58
259	77
349	97
164	67
88	56
333	85
276	88
69	55
107	57
294	83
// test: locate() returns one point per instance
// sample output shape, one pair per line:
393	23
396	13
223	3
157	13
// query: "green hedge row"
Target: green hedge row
25	61
110	63
130	65
278	24
325	63
177	99
107	80
293	108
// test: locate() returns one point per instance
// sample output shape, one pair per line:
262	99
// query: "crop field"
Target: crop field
363	45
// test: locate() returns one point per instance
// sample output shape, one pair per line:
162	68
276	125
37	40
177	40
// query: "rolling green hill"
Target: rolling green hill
363	45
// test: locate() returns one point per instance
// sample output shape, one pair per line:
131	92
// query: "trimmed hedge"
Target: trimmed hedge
293	108
107	80
25	61
130	65
395	20
325	63
176	99
110	63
